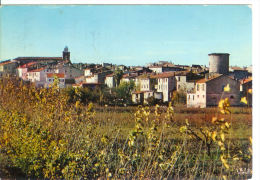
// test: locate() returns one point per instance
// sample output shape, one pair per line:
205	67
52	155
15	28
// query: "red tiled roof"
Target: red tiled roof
237	68
27	65
39	58
246	80
37	70
4	63
58	75
209	79
164	75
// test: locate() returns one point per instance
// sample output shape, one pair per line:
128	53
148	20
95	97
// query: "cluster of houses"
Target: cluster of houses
203	86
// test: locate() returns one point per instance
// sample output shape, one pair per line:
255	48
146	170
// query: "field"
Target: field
44	136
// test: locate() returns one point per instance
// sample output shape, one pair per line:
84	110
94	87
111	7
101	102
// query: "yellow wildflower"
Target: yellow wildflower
243	100
227	88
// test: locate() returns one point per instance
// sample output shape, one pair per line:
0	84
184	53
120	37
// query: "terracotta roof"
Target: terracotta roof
39	58
58	75
129	76
182	73
7	62
243	81
37	70
144	76
157	66
209	79
236	68
164	75
27	65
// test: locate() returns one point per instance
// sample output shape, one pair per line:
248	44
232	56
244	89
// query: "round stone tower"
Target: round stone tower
219	63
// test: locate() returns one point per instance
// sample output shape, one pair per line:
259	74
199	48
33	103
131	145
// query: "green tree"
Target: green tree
123	91
179	97
118	74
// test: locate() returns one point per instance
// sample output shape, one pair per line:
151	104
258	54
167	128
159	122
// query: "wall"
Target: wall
215	90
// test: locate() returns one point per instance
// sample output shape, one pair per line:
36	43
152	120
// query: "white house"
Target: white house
209	91
38	76
110	81
165	84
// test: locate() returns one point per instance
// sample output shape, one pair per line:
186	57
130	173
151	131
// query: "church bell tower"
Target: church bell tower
66	54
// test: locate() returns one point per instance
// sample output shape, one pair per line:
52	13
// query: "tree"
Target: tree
179	97
123	91
118	74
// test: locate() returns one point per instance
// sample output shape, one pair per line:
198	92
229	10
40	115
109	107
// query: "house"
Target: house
145	87
69	70
145	82
245	88
23	69
141	97
239	74
185	80
110	81
161	68
210	90
51	78
97	77
38	76
166	84
196	68
8	68
79	79
130	77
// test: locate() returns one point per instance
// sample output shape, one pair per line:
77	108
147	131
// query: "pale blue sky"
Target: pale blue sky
131	35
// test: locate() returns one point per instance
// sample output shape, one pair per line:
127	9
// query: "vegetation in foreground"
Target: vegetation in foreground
42	135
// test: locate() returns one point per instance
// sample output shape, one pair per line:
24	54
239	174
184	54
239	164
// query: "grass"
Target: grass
111	119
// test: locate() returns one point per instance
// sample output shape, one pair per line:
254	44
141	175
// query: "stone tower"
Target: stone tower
66	54
219	63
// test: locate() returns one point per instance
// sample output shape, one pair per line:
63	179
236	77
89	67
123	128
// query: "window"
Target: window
231	97
193	97
198	96
203	87
189	97
223	86
179	78
203	96
198	87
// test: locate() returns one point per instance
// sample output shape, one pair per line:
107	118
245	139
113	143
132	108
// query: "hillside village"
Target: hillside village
203	86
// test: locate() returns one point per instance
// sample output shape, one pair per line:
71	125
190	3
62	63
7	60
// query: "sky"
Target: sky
128	34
